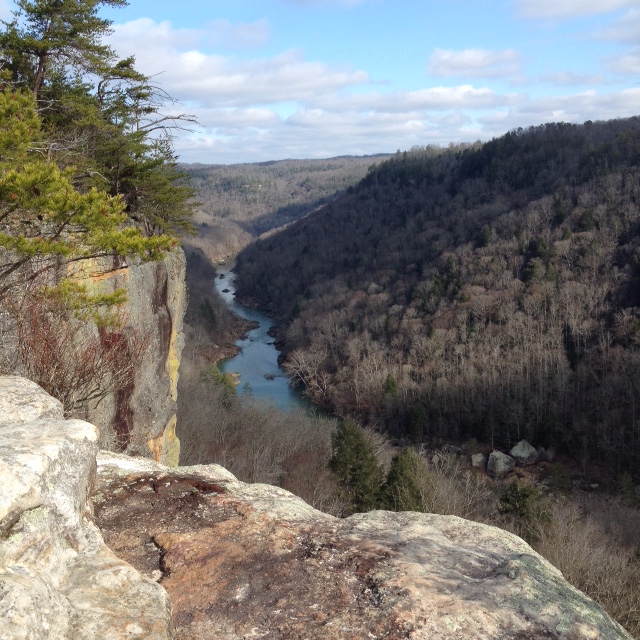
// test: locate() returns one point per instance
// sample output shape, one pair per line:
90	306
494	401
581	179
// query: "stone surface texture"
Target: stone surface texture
58	580
524	454
478	460
499	464
144	416
253	561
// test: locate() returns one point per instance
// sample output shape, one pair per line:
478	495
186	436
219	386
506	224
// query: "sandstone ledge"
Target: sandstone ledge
242	561
253	561
58	580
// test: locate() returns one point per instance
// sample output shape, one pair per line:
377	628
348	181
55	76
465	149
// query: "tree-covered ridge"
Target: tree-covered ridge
497	286
265	195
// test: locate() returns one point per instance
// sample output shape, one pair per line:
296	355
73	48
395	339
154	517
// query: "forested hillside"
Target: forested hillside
488	291
240	202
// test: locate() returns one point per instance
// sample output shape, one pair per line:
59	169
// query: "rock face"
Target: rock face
524	453
58	580
144	416
253	561
499	464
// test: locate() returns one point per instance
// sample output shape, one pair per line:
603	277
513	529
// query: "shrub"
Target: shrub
521	503
409	485
356	466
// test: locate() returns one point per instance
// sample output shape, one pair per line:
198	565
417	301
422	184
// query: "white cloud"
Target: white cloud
568	78
255	108
577	108
626	29
145	33
627	64
238	36
563	9
190	75
474	63
433	98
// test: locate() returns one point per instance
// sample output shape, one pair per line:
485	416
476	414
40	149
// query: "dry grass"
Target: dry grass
591	552
257	442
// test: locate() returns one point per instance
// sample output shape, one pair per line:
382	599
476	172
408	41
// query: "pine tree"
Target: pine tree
98	113
45	222
48	35
409	485
355	463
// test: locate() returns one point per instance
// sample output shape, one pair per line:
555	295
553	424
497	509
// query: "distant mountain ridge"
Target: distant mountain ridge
487	290
242	201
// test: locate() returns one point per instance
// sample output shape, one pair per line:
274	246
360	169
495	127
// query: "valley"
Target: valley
470	296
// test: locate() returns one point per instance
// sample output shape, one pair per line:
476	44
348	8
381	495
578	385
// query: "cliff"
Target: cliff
143	416
243	561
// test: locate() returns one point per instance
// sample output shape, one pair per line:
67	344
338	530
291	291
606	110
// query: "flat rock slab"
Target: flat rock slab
24	401
253	561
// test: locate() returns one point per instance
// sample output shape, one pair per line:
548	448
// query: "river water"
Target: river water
257	362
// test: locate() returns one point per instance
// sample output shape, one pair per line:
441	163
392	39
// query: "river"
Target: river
257	362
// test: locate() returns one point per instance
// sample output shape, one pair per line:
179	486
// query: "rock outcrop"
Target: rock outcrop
143	416
499	464
242	561
253	561
58	580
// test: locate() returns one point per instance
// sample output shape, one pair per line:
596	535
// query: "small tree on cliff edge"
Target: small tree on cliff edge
355	463
45	222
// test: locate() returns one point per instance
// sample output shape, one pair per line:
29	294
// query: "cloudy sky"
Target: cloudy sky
272	79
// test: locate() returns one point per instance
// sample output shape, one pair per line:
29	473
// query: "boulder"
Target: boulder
524	454
58	580
478	460
254	561
499	464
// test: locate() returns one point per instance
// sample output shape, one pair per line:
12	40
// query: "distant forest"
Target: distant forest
238	203
487	291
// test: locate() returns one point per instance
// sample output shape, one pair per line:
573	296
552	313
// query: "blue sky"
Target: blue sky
273	79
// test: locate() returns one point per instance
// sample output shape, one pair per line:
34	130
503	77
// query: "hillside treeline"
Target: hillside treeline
242	201
488	291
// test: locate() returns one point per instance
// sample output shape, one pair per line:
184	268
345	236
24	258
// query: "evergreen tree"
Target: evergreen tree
409	485
355	464
417	422
45	222
48	35
98	114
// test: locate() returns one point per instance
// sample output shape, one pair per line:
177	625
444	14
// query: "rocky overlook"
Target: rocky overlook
242	561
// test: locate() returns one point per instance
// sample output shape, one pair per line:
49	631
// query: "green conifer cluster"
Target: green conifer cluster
87	167
408	486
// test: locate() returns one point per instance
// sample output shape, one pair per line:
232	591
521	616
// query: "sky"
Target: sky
275	79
